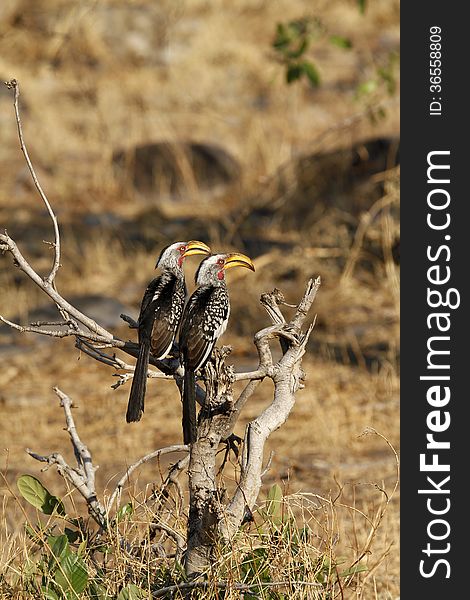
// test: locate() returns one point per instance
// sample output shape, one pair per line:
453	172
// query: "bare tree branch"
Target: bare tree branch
287	377
172	479
8	244
174	535
82	477
133	324
210	514
305	304
203	585
156	454
13	84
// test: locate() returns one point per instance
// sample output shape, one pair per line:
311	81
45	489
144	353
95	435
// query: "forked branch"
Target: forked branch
15	86
82	477
209	515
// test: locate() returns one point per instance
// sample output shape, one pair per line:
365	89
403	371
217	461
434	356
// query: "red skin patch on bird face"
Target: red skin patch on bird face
221	274
182	250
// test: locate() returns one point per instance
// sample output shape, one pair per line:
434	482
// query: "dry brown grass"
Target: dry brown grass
208	75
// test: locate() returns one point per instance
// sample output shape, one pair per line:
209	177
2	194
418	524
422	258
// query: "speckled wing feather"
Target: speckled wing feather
160	313
204	320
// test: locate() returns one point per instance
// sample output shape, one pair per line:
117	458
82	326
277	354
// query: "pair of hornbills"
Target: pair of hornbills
200	322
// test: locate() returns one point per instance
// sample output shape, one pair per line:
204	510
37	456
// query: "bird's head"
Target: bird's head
212	269
172	256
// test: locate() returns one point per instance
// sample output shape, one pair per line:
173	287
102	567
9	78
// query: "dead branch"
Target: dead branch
257	432
82	477
8	244
365	221
241	587
13	84
174	535
133	324
172	480
156	454
209	515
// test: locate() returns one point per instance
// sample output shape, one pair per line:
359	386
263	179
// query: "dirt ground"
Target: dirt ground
99	78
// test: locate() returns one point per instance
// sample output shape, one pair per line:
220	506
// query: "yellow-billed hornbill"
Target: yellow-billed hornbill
160	314
204	320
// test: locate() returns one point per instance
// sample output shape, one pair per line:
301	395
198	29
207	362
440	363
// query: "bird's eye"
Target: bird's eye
221	261
182	249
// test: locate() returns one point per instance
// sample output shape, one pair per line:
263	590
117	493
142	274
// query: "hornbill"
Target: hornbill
204	320
160	314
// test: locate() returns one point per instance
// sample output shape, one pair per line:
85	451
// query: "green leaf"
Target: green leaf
311	72
299	27
72	574
97	592
282	38
294	72
354	570
48	593
131	592
367	87
256	565
33	491
274	501
340	41
82	548
59	545
125	510
36	494
72	535
56	504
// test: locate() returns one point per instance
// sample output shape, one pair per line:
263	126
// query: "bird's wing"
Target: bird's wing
161	310
153	289
204	320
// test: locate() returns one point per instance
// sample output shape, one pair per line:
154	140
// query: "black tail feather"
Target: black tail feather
189	407
135	406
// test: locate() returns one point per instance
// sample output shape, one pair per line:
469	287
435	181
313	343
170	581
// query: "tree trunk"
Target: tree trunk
205	502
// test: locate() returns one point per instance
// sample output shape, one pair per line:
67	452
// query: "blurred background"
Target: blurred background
266	126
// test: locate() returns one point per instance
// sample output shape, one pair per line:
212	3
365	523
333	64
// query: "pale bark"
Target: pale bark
82	477
211	516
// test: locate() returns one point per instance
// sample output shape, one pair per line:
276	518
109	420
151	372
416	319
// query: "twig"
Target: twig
130	321
366	219
141	461
13	84
8	243
287	376
225	585
252	375
59	333
83	476
303	308
117	363
172	479
174	535
271	303
268	464
375	524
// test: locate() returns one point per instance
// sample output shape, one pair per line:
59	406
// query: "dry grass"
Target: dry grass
206	74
